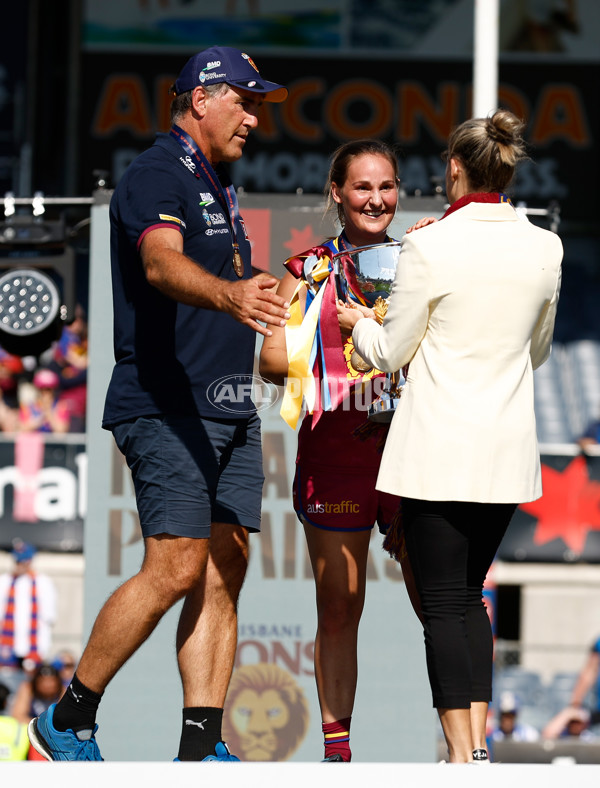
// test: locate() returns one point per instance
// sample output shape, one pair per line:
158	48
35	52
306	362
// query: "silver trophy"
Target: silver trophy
365	275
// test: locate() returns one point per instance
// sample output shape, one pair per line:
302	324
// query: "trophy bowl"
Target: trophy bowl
366	271
365	275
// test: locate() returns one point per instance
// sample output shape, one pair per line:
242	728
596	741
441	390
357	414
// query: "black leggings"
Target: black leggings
451	546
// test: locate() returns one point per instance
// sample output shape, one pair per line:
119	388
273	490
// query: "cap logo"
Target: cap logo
202	77
251	84
212	64
249	59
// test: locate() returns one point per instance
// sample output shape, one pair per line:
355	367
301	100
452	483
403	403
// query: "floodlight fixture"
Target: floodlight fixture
37	280
30	311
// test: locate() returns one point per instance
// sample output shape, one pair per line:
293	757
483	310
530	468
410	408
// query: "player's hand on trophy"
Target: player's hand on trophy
350	313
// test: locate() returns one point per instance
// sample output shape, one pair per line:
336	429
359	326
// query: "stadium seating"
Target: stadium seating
567	391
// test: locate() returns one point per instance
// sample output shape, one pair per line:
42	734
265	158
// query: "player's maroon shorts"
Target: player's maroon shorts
341	499
336	471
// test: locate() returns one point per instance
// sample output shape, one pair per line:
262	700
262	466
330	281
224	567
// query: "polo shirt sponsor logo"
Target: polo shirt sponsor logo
206	198
218	231
187	162
213	218
168	218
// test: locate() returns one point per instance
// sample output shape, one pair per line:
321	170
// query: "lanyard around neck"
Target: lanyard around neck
225	194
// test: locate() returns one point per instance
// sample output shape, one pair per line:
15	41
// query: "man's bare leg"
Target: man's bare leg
171	568
206	644
207	632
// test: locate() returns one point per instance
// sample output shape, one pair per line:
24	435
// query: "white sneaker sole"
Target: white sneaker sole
37	742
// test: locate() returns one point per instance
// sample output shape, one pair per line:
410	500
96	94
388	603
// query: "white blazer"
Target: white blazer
472	309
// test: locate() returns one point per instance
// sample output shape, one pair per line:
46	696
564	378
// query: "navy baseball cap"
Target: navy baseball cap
22	551
225	64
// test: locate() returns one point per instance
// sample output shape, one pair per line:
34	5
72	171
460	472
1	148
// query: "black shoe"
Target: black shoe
480	756
335	758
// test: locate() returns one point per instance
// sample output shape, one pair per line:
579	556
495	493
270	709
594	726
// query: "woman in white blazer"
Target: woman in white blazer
472	312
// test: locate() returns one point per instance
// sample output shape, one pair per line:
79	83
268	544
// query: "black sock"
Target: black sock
77	708
200	732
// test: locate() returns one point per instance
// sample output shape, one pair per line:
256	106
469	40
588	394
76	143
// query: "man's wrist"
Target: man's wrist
220	294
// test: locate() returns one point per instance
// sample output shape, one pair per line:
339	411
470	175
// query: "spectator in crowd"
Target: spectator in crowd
570	721
45	412
70	362
589	677
27	610
14	744
65	662
509	726
591	437
34	695
11	369
9	417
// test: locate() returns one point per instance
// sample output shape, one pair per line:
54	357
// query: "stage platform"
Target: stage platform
297	775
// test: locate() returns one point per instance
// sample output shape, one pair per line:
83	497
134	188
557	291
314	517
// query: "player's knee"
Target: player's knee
339	614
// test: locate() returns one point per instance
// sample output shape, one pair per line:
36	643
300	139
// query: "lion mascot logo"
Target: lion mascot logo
266	714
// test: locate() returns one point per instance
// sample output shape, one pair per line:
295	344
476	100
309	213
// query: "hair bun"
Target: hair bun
497	133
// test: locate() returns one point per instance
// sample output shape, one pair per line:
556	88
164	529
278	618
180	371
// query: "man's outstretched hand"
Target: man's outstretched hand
253	300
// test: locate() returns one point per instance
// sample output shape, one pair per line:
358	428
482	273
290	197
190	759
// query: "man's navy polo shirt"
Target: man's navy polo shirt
168	354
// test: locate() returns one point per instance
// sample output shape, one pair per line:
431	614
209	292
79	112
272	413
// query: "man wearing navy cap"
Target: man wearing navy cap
186	309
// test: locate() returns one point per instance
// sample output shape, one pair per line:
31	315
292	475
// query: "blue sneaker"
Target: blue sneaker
221	754
62	745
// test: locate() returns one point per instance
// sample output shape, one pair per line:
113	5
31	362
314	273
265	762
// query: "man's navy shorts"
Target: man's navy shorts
189	472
